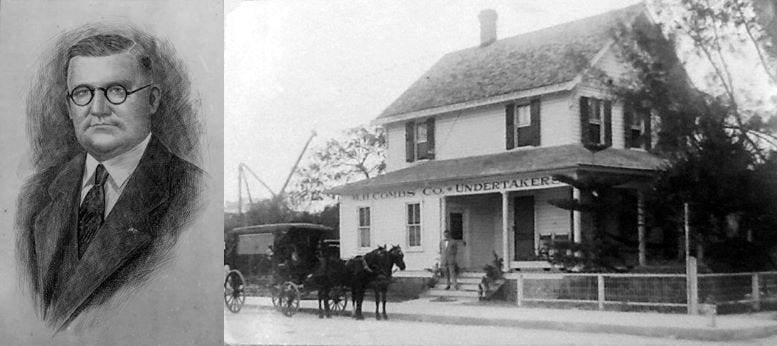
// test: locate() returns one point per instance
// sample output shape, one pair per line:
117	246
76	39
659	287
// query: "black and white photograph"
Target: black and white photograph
500	172
113	154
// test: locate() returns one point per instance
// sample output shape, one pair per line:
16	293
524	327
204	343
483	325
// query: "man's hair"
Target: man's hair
175	123
105	45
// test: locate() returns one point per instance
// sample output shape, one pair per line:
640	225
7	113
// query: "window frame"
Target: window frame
516	114
638	123
360	227
596	107
409	227
518	140
421	154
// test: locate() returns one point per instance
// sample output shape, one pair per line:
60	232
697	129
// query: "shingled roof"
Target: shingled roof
537	59
543	159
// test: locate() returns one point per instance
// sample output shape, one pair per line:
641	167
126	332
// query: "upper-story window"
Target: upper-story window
523	124
595	132
596	121
637	128
419	140
522	116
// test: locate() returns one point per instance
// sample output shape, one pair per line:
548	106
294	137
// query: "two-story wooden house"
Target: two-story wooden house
474	144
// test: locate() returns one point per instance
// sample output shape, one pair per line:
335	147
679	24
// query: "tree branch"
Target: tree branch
761	56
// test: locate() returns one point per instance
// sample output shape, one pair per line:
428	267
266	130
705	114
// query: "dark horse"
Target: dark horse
329	273
373	270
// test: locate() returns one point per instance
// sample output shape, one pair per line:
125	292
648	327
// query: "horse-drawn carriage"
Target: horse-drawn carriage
294	260
278	258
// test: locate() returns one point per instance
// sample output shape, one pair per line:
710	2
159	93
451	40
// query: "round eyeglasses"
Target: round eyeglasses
115	94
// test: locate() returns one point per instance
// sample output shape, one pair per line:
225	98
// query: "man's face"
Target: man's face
102	128
447	235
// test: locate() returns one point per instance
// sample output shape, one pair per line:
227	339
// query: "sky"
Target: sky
292	67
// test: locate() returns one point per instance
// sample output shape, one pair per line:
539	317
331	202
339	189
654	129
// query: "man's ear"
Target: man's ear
153	99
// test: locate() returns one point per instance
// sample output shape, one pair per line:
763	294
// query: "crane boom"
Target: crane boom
299	158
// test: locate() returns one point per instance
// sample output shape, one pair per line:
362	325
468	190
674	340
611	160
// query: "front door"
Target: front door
524	228
456	226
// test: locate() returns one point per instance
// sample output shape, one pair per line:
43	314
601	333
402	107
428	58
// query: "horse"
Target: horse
329	273
374	270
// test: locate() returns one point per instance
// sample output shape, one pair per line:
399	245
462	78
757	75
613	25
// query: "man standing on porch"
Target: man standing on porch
449	248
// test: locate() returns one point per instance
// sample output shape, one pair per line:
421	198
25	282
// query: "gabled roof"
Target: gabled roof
543	159
537	59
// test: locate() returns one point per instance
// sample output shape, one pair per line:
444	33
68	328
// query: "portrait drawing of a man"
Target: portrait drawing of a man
114	133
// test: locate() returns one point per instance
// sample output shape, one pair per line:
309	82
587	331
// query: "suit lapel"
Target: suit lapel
55	225
126	230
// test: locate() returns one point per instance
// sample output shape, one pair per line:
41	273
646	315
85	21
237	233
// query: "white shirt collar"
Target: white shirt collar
119	168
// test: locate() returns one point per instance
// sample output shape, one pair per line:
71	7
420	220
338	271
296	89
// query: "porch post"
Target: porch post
443	226
443	217
641	227
505	230
576	221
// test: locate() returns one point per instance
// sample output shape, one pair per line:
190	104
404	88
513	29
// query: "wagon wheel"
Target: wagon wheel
289	298
338	300
234	291
275	293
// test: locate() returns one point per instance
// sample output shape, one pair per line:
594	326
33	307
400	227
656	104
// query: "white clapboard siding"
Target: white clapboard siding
480	131
557	123
395	152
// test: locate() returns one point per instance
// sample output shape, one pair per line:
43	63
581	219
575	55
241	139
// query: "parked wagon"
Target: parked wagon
280	257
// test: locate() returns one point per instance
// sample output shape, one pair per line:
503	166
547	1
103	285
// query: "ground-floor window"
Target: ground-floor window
364	227
414	225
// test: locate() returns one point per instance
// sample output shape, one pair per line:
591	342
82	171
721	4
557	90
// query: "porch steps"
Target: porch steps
468	288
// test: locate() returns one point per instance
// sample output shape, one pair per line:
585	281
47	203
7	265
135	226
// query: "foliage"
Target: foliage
738	255
360	154
598	202
719	141
494	270
723	34
437	274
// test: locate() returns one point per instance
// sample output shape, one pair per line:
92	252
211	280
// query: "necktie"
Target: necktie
92	210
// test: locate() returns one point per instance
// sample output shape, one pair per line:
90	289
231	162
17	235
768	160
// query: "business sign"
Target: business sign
464	188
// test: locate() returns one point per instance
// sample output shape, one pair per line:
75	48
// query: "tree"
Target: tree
601	204
358	154
718	141
725	34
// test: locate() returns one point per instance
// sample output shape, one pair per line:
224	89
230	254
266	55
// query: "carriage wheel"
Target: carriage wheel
289	298
338	300
275	292
234	291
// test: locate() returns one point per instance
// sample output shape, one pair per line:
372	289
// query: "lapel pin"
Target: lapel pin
132	230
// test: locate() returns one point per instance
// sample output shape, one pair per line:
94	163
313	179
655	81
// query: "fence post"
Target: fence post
519	294
756	293
600	290
692	285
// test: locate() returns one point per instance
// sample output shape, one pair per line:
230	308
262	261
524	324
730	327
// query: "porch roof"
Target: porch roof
548	159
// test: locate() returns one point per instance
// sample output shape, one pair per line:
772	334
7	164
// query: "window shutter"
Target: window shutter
430	138
628	115
410	141
535	122
647	140
584	114
608	123
510	126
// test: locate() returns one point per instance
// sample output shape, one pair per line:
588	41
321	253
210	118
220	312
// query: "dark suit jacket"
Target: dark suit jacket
159	198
